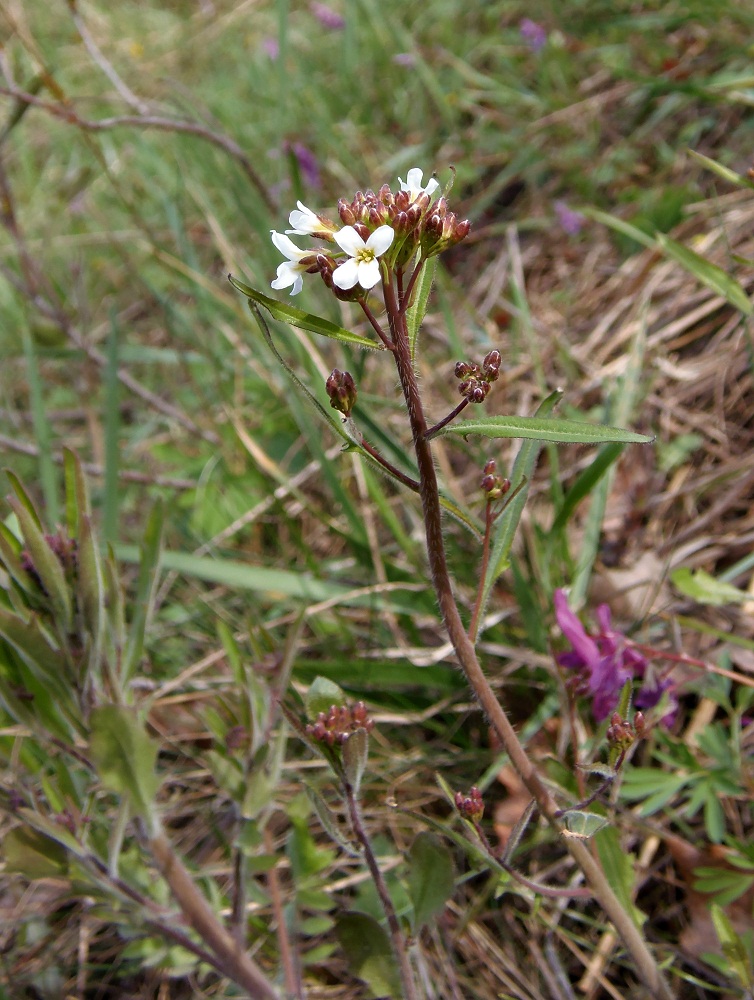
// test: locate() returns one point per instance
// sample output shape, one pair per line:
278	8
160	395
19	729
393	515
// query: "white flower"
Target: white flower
413	184
363	266
305	222
291	270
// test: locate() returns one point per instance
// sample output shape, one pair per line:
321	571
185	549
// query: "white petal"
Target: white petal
346	275
432	186
287	247
349	240
304	221
379	241
369	273
414	179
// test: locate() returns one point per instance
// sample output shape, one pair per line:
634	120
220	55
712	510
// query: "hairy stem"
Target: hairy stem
645	964
396	934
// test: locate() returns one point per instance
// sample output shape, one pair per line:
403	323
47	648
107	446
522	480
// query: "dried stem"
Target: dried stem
646	966
235	963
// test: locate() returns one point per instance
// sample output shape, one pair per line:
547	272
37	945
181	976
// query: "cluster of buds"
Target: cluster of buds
476	380
470	806
66	550
492	485
336	725
377	227
341	389
621	734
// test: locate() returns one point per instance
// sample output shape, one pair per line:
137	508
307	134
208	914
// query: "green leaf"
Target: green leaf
33	855
322	694
303	320
47	565
355	756
418	308
705	589
584	824
507	523
145	590
430	877
124	756
618	866
707	273
369	953
545	429
733	947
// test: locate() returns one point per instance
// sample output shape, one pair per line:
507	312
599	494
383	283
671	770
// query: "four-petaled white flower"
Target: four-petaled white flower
305	222
290	271
363	266
413	184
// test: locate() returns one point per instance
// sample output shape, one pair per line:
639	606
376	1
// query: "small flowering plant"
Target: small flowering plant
381	255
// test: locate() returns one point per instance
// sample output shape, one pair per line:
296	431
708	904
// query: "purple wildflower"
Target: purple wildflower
605	662
569	220
307	162
271	48
327	17
404	59
533	34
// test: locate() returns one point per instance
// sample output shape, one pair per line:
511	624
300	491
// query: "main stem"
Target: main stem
430	497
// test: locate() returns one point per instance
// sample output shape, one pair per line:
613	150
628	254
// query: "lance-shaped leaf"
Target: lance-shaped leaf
418	308
303	320
145	589
124	756
708	273
545	429
46	563
355	756
507	523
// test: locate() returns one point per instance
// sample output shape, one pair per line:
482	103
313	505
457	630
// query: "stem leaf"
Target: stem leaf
303	320
545	429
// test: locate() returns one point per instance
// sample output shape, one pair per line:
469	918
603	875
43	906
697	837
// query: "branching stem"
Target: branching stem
632	937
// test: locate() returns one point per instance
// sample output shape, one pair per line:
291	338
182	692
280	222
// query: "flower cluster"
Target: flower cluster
605	661
336	725
492	485
341	389
476	380
470	806
377	228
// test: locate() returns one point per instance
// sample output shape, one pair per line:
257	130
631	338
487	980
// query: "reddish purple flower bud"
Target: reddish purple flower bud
346	213
490	467
470	806
341	389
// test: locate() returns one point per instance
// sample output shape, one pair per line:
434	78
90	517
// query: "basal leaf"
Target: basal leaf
369	953
430	877
124	755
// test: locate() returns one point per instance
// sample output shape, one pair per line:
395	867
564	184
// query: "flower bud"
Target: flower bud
470	806
341	389
345	212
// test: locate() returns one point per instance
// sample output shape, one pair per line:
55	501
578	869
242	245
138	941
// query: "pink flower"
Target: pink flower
606	660
569	220
327	17
532	33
